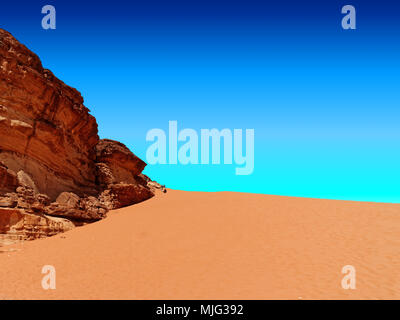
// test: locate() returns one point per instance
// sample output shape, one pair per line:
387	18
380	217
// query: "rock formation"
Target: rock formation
55	173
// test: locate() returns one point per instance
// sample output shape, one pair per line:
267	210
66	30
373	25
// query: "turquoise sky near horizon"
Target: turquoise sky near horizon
323	101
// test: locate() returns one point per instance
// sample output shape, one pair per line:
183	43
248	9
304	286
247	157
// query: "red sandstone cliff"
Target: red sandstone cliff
54	171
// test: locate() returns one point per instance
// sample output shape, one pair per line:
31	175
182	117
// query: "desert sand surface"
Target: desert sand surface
190	245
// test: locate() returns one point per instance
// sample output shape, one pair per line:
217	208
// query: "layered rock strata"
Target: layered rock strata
55	172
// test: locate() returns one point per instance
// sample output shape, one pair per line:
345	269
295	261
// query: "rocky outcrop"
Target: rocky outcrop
50	133
152	185
116	163
118	173
69	205
52	163
123	194
122	162
17	225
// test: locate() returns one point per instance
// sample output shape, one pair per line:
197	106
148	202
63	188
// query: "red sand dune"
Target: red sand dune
188	245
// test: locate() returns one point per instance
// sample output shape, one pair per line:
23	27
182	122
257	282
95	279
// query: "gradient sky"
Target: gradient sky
324	102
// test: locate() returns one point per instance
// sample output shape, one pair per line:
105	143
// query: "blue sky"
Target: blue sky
324	102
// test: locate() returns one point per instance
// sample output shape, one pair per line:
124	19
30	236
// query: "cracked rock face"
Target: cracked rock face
17	225
45	130
54	171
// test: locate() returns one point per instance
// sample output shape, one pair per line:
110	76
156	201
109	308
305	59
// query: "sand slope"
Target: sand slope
187	245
